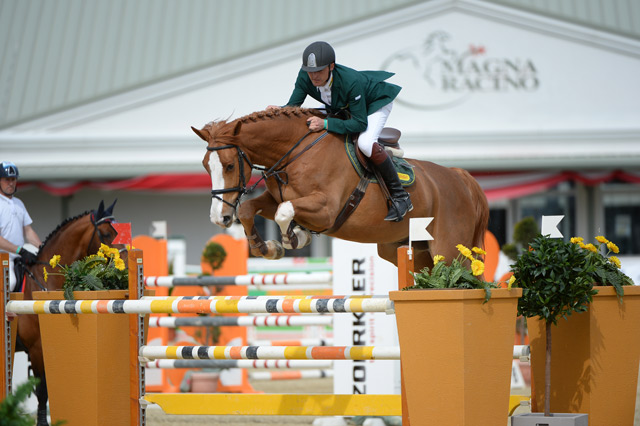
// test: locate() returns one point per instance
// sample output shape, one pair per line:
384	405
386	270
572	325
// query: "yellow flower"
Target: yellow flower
54	261
465	251
511	281
437	258
602	239
46	275
614	248
104	248
591	248
615	261
477	267
576	240
582	245
478	250
119	264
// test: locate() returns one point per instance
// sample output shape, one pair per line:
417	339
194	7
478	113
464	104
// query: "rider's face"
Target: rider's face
8	186
320	78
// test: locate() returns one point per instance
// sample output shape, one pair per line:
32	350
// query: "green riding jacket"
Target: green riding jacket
360	92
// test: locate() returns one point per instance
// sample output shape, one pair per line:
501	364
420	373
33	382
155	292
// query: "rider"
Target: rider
366	97
15	222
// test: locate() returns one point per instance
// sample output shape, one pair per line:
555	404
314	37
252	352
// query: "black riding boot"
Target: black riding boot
400	200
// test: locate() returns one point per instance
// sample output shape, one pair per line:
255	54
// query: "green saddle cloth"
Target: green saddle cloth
405	170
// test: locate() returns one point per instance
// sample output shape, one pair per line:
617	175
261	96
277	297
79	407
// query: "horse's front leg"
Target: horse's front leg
312	211
265	206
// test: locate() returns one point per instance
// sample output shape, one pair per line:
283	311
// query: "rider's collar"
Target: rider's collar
328	84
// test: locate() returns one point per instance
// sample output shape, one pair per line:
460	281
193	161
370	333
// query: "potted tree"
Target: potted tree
558	280
456	336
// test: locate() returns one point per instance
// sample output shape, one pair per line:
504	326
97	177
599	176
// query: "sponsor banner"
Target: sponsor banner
358	270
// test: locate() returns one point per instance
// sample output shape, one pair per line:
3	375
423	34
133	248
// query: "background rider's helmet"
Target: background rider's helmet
317	56
8	170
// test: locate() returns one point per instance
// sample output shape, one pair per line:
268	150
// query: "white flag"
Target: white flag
418	229
550	226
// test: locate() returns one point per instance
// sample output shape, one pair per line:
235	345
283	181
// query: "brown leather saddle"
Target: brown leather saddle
389	138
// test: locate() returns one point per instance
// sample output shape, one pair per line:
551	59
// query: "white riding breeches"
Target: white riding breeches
375	124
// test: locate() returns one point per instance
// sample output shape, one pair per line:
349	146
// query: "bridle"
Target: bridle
274	171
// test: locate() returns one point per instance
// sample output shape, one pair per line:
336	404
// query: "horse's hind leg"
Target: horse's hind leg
265	206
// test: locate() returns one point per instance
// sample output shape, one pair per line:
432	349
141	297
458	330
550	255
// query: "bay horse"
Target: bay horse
73	239
309	178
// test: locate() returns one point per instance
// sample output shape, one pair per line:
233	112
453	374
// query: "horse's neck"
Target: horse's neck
266	142
71	242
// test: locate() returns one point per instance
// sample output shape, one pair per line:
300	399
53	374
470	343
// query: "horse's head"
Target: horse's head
229	169
72	240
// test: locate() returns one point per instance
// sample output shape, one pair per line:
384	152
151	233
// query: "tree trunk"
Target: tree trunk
547	371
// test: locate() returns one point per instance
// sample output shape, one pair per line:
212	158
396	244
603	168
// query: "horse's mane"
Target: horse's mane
289	112
62	225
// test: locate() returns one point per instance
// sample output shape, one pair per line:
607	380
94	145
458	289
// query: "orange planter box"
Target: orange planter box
86	358
456	354
594	359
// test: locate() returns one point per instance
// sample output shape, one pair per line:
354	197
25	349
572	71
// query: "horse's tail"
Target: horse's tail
482	206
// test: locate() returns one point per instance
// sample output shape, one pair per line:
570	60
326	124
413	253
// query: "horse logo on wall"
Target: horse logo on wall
437	76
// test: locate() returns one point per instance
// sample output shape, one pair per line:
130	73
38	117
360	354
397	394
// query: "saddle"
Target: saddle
389	139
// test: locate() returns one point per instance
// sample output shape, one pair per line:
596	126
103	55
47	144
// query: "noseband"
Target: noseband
276	170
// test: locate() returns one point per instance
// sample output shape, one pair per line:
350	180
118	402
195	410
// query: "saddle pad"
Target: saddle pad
403	168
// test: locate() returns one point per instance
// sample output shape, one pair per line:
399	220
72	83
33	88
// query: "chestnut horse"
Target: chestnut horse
309	178
73	239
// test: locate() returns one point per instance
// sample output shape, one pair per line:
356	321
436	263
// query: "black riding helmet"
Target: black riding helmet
8	170
317	56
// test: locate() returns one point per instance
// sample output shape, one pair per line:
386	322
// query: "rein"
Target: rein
273	171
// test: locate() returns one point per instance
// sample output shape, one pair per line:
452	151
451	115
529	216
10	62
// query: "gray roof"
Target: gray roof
58	55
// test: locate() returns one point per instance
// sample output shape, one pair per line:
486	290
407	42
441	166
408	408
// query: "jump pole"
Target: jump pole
5	336
136	340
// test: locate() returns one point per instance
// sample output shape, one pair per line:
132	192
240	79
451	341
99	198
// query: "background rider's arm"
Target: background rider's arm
7	245
31	237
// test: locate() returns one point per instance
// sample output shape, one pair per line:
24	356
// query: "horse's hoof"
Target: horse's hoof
42	419
275	250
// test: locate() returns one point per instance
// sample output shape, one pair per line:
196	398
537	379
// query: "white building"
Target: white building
539	100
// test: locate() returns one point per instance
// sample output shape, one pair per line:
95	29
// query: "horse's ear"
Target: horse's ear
109	210
204	135
100	211
237	127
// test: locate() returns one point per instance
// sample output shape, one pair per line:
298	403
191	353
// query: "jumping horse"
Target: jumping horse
73	239
309	180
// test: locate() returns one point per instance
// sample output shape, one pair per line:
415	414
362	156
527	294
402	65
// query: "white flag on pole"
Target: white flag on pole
550	226
418	229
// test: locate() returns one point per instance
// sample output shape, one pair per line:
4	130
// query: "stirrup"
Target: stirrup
396	214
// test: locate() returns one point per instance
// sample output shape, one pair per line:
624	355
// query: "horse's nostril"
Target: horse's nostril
226	220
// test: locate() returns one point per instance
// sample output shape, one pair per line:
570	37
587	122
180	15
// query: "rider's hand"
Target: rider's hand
27	257
315	124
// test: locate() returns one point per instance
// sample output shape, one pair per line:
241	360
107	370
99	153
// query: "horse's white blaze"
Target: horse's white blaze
217	182
284	216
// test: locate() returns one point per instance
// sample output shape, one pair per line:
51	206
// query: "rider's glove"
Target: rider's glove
27	257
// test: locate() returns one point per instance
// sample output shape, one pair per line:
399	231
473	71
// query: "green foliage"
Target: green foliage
557	277
523	233
102	271
214	254
11	411
455	275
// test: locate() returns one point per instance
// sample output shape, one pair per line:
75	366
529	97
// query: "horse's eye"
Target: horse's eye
229	167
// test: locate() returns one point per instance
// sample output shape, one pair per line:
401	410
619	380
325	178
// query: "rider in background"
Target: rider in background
366	97
15	223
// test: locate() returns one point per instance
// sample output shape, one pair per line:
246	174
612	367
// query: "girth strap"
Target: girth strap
350	206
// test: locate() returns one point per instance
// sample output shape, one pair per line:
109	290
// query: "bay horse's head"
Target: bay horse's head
228	166
73	239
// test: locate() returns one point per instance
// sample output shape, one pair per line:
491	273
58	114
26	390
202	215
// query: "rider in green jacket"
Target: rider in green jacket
368	99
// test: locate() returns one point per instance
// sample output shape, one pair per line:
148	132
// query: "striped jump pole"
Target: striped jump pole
360	353
290	375
252	279
241	363
246	321
222	305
